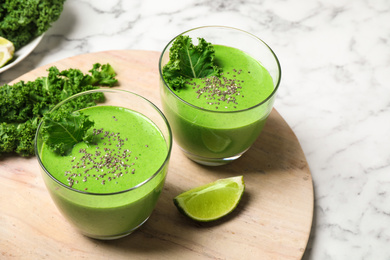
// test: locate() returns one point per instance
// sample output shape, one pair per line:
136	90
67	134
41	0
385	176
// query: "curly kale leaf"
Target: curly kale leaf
24	104
18	138
61	130
9	137
25	100
102	74
23	20
189	61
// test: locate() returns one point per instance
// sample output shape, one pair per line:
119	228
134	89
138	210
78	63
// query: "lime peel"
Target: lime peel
211	201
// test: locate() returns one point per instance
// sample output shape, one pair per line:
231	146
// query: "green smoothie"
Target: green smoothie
220	117
243	83
128	150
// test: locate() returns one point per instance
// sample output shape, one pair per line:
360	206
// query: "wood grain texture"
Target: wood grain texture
272	221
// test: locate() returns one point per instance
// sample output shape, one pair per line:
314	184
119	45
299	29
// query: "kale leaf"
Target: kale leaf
18	138
24	104
189	61
23	20
61	130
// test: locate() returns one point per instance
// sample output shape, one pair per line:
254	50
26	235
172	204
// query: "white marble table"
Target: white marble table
335	92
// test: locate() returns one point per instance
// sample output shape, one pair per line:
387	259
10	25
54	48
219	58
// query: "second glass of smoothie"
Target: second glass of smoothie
215	120
109	186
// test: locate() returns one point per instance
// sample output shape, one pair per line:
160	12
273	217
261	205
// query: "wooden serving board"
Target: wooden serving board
272	221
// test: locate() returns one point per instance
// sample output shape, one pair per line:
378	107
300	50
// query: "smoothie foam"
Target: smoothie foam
127	150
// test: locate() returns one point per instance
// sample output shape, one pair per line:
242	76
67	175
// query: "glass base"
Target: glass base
112	237
211	161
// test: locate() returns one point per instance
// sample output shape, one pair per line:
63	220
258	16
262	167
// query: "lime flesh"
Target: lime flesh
6	51
211	201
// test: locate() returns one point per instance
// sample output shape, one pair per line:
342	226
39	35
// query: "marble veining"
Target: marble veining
335	92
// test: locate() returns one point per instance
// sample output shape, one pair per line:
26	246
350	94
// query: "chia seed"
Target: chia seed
104	160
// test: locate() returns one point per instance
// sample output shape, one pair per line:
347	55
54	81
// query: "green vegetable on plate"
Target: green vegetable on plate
23	20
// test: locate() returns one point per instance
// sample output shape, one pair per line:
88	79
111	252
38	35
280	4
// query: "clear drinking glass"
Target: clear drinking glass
109	215
218	137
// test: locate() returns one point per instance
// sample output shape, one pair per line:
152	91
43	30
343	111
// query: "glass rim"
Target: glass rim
139	185
214	111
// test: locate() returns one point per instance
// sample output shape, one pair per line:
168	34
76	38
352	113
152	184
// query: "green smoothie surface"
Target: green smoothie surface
243	83
127	150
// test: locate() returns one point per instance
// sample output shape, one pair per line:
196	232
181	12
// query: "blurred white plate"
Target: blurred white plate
22	53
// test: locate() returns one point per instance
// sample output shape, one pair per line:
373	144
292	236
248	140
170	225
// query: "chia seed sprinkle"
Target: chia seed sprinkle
223	89
104	160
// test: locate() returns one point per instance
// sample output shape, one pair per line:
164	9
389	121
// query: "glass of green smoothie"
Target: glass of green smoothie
108	182
217	86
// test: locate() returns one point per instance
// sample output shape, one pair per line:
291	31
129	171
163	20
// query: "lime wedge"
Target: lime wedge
7	50
211	201
215	142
